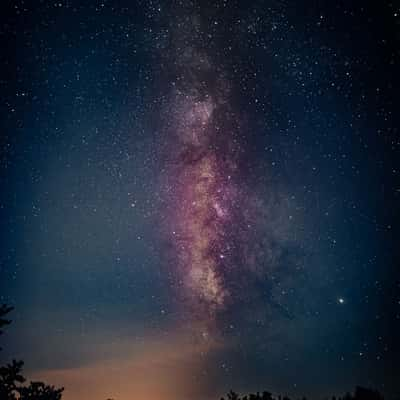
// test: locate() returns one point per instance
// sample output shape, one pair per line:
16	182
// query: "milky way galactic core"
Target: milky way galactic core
216	221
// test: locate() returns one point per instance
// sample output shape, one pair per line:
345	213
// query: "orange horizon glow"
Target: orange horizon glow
164	368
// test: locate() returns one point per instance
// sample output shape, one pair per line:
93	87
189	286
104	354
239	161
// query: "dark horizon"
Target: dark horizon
206	192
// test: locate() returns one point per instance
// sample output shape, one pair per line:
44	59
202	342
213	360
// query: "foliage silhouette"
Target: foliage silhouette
11	379
38	390
360	393
13	387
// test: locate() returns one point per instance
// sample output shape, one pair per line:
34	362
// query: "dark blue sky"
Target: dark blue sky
300	101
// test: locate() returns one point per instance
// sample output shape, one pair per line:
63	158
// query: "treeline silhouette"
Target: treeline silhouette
12	382
360	393
13	385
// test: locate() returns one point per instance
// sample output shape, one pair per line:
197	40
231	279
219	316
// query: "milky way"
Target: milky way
213	216
205	198
200	196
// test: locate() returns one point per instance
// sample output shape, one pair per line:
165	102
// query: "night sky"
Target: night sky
198	196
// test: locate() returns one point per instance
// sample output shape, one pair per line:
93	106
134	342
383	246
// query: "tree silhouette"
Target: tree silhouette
39	391
4	310
10	374
11	379
366	394
360	393
13	387
233	396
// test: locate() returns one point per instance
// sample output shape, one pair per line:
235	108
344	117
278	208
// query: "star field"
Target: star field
202	192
